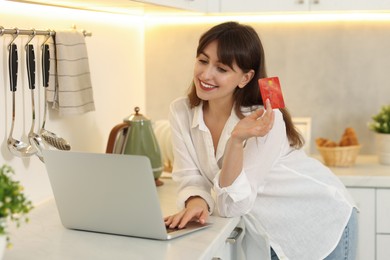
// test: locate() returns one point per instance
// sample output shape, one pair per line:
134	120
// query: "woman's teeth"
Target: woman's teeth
206	85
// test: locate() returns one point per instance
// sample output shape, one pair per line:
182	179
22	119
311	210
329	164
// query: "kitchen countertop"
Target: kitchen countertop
366	173
44	237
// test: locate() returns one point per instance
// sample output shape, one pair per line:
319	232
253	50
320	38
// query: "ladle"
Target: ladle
16	147
35	139
49	137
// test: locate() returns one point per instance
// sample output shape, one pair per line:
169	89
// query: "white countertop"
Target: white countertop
44	237
366	173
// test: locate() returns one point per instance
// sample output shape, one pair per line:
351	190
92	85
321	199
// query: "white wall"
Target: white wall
116	61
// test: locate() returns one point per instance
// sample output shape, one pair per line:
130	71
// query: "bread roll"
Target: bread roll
349	137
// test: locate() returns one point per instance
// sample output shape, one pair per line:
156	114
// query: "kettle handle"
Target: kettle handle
113	136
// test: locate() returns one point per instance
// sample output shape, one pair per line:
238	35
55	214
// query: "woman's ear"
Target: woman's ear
246	78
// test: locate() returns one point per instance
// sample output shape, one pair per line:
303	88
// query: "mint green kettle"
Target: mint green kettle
136	136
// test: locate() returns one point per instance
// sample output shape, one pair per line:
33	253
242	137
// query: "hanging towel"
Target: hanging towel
73	92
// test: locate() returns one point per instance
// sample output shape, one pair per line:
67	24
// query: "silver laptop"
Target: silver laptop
108	193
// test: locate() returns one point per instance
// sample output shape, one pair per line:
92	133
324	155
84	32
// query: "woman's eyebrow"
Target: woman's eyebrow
202	53
218	61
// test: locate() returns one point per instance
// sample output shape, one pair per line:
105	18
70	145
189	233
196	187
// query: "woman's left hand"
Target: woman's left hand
196	210
257	124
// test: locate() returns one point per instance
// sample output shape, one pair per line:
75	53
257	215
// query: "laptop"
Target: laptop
108	193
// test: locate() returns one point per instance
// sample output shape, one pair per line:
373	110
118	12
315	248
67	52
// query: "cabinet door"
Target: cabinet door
365	200
383	247
229	6
301	5
383	211
191	5
350	5
231	249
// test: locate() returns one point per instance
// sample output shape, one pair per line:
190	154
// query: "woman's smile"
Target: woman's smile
206	86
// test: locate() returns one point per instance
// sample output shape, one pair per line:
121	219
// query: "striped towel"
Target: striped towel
71	92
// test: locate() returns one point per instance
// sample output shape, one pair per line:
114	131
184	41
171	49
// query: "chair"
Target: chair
303	124
162	130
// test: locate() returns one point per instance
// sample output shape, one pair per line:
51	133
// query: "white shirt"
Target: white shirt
287	200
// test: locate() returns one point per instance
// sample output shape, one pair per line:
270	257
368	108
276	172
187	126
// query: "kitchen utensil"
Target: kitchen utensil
49	137
16	147
139	140
35	140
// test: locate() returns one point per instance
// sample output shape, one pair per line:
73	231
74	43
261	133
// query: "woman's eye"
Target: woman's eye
220	69
202	61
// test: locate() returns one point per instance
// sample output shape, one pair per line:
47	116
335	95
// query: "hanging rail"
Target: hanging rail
15	30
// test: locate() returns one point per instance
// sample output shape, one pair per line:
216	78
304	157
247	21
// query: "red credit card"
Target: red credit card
270	89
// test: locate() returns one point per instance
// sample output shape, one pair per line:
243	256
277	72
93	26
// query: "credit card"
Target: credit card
270	89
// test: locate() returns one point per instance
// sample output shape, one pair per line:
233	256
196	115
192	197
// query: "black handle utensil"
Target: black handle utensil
30	61
45	65
16	147
13	66
35	139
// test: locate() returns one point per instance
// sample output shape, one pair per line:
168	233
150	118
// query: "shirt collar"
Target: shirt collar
197	120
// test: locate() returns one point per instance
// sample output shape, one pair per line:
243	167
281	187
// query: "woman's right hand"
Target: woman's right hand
257	124
196	210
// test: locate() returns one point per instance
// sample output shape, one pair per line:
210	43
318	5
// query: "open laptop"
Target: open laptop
108	193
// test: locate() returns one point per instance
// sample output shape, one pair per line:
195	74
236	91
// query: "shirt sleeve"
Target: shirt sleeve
186	166
260	155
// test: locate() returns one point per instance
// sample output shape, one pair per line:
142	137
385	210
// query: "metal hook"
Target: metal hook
16	34
34	32
47	37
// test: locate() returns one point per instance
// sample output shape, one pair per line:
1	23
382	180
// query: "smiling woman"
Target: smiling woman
227	141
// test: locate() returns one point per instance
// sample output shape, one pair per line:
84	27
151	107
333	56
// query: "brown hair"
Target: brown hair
241	44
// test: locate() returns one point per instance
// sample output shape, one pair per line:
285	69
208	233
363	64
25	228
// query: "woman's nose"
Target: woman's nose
207	72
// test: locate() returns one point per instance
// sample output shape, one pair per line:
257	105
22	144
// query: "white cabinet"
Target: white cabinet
351	5
190	5
383	209
365	200
230	250
229	6
383	224
369	185
301	5
374	222
383	247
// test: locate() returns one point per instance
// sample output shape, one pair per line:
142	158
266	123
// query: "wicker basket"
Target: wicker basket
341	156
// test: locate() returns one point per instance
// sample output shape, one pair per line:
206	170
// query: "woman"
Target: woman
224	140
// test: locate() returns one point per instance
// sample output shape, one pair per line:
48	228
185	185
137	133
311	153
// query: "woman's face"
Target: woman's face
215	81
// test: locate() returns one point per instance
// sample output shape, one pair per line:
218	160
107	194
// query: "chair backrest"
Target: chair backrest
303	124
162	130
